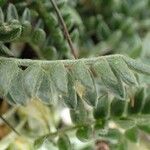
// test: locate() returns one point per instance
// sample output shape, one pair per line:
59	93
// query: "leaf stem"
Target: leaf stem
67	62
65	30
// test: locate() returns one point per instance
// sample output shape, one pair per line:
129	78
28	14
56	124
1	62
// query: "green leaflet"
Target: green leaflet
144	127
58	75
26	29
146	107
84	84
45	92
101	110
26	15
8	70
137	66
104	71
64	143
16	91
117	107
132	134
32	78
38	36
120	68
12	13
26	25
70	99
84	133
137	102
10	31
80	114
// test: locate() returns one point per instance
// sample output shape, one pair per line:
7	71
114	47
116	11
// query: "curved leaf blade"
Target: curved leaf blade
8	70
17	91
104	71
58	75
120	68
84	80
32	78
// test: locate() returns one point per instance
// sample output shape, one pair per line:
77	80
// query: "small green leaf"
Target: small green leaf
70	98
84	80
132	134
104	71
26	23
49	52
137	102
146	107
58	75
101	110
38	36
26	29
64	143
81	73
120	68
137	66
8	70
26	15
32	78
84	133
16	91
80	114
12	13
44	92
145	127
117	107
